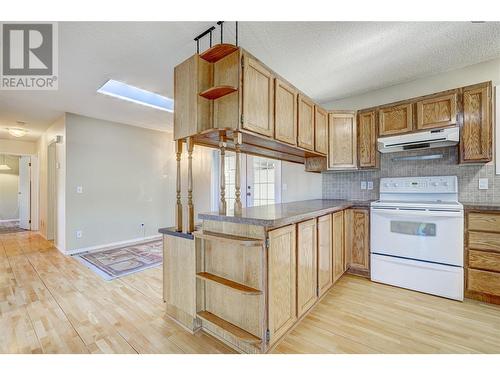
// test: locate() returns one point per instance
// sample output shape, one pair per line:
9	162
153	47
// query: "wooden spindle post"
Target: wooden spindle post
190	146
178	211
222	146
237	188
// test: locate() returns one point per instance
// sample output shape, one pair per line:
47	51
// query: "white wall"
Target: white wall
297	184
9	187
58	128
485	71
15	147
128	177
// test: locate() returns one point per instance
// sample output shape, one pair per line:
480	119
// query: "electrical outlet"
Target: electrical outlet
142	225
79	189
483	184
370	185
363	185
79	234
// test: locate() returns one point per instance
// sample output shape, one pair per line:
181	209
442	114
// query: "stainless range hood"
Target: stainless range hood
420	140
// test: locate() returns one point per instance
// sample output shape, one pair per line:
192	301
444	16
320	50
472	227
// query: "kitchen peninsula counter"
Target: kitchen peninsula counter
248	279
280	214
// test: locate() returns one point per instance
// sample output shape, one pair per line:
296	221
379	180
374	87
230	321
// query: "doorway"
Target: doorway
15	193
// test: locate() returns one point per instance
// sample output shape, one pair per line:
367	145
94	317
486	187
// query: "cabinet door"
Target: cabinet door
325	255
320	130
395	120
305	119
367	140
282	281
342	151
437	112
477	134
338	245
285	112
306	266
357	239
258	98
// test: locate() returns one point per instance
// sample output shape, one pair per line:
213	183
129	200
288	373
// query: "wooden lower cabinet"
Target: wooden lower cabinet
325	254
339	260
307	271
282	269
483	256
357	243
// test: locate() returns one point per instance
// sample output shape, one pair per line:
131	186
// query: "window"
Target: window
260	180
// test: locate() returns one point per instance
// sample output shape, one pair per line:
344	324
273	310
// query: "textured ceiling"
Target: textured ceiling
326	60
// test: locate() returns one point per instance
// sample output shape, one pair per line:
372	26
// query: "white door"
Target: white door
263	181
24	197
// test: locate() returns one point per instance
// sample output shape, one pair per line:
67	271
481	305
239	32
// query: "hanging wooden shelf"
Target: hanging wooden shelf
238	240
217	52
236	331
228	283
217	92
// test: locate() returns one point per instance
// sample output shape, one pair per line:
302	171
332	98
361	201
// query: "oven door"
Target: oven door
417	234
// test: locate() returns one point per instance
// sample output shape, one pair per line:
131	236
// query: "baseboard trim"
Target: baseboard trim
8	220
113	245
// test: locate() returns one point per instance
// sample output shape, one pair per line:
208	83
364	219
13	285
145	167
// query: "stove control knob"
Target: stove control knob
386	184
446	184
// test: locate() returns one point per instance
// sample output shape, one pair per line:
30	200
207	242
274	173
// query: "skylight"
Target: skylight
134	94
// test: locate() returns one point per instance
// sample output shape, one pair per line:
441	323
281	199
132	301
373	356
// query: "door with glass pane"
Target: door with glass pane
263	181
260	180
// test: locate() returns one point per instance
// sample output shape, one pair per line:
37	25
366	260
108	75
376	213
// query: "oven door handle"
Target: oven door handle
417	213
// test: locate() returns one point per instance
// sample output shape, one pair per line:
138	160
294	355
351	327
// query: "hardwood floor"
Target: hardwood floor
50	303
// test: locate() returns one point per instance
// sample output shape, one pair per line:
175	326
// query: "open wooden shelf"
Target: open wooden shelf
242	241
236	331
217	92
228	283
217	52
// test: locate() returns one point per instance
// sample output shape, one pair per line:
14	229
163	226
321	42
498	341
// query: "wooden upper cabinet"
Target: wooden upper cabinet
325	254
285	107
282	273
357	234
395	119
437	112
342	150
258	98
305	138
477	132
367	140
307	266
320	130
339	265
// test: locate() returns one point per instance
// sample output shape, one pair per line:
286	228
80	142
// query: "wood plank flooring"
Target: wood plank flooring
50	303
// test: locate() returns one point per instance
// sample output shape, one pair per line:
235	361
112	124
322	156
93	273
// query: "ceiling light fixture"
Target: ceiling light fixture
17	132
134	94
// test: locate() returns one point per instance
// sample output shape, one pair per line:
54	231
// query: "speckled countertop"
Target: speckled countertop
277	215
481	206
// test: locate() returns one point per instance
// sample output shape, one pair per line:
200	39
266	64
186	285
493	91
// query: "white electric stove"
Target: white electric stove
417	235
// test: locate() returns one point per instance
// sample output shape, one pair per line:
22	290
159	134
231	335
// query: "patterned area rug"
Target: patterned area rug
10	227
110	264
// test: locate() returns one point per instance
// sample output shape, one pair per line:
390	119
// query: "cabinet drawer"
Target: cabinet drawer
484	241
484	222
484	260
483	282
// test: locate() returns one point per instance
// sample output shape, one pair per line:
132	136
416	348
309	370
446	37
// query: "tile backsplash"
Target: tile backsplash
347	185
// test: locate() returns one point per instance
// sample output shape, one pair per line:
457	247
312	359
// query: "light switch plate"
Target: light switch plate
79	234
79	189
483	184
370	185
363	185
